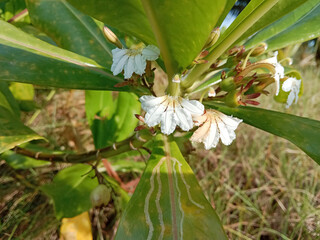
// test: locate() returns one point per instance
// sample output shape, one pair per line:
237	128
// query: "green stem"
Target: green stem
228	41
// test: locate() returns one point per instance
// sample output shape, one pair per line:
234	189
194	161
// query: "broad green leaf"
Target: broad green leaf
71	29
276	12
282	24
303	132
127	16
12	131
182	28
24	94
7	100
30	60
111	120
18	161
308	27
70	190
168	202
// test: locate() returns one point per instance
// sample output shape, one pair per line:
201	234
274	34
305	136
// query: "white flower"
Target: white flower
278	68
170	112
133	60
214	125
292	85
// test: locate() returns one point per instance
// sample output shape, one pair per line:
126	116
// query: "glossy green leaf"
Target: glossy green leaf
127	16
24	94
70	190
168	202
30	60
111	120
276	12
12	131
182	28
308	27
303	132
282	24
71	29
18	161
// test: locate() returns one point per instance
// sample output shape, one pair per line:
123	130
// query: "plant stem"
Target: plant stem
132	143
196	73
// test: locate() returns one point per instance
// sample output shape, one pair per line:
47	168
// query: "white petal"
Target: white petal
193	106
148	102
201	133
120	65
168	124
153	116
183	119
117	53
213	137
290	99
231	122
140	63
287	84
277	80
151	52
224	134
129	68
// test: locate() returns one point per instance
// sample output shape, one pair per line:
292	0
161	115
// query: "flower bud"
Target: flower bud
228	84
111	37
259	50
232	99
213	38
101	195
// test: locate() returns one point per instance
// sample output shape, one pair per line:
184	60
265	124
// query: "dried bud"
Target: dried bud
213	38
101	195
111	37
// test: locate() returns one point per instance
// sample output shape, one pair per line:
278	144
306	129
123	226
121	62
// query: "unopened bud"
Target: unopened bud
213	38
235	50
176	79
111	37
139	128
211	92
101	195
261	49
228	84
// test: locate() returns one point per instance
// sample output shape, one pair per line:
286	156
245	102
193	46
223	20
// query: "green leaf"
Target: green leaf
71	29
308	27
276	12
127	16
12	131
182	28
168	202
303	132
7	100
70	190
24	94
14	7
282	24
18	161
111	120
30	60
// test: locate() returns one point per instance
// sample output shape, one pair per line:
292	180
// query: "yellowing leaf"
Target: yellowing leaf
76	228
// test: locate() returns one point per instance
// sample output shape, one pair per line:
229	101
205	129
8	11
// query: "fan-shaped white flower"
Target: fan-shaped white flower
214	125
278	68
133	60
292	85
170	112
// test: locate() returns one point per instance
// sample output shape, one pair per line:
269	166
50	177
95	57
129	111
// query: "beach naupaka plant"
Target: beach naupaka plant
194	77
